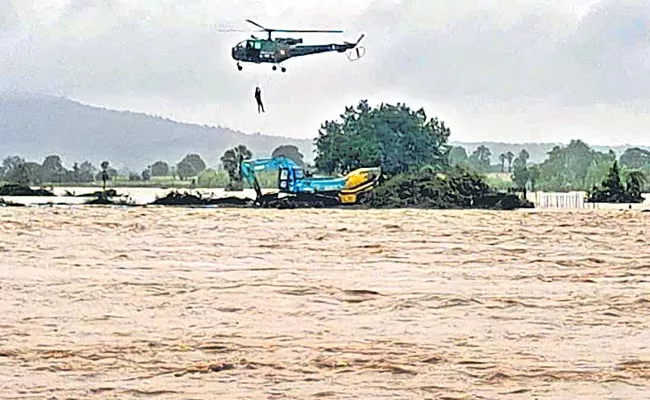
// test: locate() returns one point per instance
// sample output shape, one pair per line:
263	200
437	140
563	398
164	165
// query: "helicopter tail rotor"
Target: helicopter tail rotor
356	53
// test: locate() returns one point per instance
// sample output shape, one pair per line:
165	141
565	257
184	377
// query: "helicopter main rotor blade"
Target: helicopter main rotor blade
258	25
235	30
305	31
293	30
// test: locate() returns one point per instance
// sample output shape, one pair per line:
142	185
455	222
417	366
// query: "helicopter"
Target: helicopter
276	51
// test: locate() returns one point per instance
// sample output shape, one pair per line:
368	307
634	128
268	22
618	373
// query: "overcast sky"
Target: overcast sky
502	70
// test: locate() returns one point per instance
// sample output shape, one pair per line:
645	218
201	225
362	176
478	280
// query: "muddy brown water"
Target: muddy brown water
168	303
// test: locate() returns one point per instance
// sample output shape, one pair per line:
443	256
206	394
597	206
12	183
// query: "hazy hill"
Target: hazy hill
35	126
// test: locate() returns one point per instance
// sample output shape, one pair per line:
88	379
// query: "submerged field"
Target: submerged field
260	304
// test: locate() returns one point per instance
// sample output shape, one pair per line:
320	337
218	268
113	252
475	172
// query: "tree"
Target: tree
510	156
574	167
231	161
391	136
184	169
520	174
291	152
480	158
634	182
53	170
160	168
10	164
457	156
146	174
524	156
502	159
105	175
197	163
19	174
533	176
86	172
635	158
613	191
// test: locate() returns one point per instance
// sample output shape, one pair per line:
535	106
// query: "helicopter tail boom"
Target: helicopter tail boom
353	45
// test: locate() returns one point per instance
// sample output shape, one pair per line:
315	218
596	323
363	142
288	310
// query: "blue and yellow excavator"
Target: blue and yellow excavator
295	185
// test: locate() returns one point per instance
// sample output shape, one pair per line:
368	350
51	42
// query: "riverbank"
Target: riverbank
143	196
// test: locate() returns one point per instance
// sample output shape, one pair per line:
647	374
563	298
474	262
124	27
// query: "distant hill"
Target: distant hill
538	151
35	126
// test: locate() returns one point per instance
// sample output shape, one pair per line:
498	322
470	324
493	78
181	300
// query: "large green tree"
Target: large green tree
291	152
394	137
574	167
231	161
195	160
160	168
635	158
53	170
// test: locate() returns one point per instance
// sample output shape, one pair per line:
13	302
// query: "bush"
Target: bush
456	187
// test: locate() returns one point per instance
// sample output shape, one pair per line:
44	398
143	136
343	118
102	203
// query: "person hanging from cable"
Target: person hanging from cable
258	98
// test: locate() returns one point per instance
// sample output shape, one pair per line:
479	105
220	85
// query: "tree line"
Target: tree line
15	169
395	137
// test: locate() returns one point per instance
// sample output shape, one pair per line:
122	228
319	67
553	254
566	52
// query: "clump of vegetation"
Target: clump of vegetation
415	158
98	193
176	198
13	189
4	203
613	191
456	187
231	161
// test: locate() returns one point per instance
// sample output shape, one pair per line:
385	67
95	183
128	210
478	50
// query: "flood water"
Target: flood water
168	303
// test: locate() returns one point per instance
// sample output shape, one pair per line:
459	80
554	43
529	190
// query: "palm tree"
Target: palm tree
502	158
231	161
510	156
105	176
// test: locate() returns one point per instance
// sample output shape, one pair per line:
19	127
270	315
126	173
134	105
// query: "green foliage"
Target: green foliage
455	187
612	189
498	181
480	158
635	180
458	156
291	152
231	161
52	169
391	136
635	158
184	170
502	160
509	157
210	178
160	168
194	161
574	167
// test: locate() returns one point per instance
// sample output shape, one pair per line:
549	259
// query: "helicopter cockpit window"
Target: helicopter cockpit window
257	46
240	44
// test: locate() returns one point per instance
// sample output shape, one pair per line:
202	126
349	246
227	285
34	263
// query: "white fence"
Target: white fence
575	200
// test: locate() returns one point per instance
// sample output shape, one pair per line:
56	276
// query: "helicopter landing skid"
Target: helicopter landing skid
283	69
275	67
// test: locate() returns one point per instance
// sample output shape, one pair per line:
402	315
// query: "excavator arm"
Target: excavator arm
249	167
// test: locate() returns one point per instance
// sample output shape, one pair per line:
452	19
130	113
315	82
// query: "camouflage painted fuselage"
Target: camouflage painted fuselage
279	50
